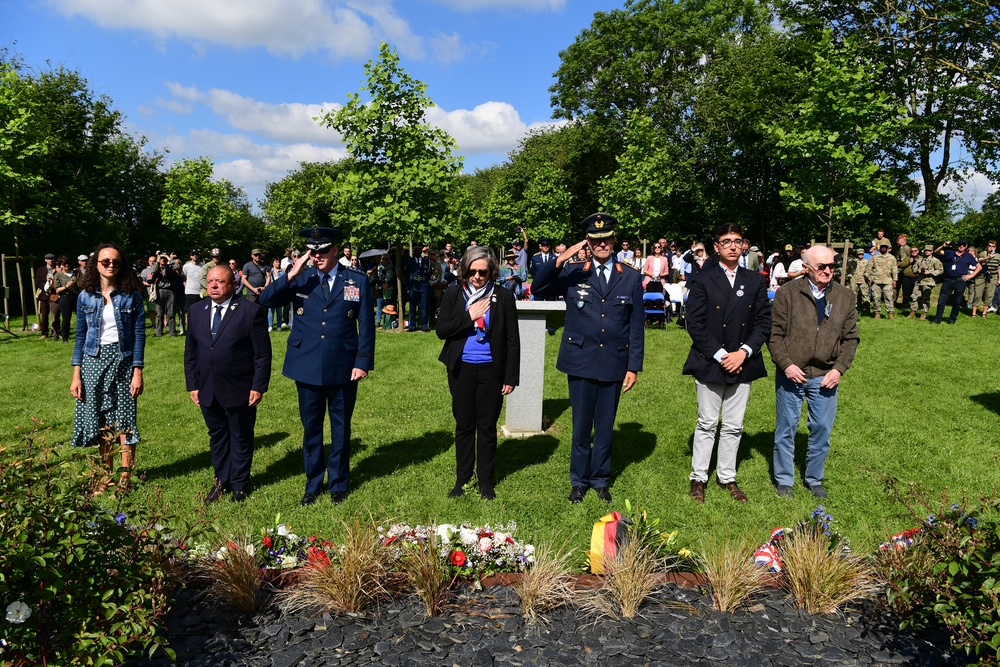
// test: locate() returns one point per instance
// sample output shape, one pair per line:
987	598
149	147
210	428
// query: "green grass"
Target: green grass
920	402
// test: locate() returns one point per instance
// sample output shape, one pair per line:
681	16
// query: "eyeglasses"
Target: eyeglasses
315	251
482	273
601	242
110	263
729	243
824	267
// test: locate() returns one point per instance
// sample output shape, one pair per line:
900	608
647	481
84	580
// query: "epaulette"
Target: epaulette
353	268
575	261
628	266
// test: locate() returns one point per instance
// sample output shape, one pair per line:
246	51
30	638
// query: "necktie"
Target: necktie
216	322
604	280
326	285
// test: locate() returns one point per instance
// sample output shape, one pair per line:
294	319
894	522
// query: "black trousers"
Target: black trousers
476	400
230	434
952	291
67	305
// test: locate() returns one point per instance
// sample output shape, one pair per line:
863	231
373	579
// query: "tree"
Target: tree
402	166
197	210
939	59
835	140
293	202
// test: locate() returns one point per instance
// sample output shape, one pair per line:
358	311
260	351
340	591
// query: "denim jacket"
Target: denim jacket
130	317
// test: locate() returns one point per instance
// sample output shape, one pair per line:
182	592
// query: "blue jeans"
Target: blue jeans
822	410
273	317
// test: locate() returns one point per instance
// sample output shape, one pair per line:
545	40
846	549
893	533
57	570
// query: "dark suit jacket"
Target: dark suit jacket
239	361
330	336
455	327
604	335
721	316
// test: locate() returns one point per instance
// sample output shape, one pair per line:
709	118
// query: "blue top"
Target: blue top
478	351
130	318
955	265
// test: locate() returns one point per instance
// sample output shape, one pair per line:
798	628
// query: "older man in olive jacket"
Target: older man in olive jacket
814	337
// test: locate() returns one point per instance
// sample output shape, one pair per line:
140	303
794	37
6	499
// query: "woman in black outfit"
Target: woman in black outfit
482	351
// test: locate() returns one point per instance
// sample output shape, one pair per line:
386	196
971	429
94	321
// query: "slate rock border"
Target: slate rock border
484	628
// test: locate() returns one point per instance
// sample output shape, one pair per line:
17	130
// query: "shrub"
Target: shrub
630	577
545	586
951	572
233	574
428	573
79	583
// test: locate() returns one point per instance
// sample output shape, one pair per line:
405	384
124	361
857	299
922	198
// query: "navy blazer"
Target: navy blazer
455	327
331	335
604	335
536	263
239	360
720	316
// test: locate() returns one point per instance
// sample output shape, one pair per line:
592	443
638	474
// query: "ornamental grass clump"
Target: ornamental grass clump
428	573
79	583
629	580
348	578
734	577
234	576
546	585
821	574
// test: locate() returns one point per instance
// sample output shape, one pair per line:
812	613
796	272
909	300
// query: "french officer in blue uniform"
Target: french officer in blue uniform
331	347
602	346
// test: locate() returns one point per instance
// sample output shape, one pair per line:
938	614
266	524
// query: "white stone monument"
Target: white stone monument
524	405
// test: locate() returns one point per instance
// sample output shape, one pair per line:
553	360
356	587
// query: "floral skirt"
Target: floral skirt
107	401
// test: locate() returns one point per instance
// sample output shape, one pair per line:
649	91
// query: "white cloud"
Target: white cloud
974	189
288	27
530	5
488	128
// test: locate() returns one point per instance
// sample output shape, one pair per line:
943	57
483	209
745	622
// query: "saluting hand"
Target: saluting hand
298	266
570	252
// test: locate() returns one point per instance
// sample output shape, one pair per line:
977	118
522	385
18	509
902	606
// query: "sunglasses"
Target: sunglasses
825	267
320	251
110	262
482	273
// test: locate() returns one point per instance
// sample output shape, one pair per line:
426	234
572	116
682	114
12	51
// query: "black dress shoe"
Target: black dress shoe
309	499
239	496
216	493
577	494
487	494
456	492
338	497
603	494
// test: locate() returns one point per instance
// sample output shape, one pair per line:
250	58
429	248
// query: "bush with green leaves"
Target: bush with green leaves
951	572
79	583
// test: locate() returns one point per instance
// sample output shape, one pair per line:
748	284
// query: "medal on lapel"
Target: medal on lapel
300	311
352	292
740	292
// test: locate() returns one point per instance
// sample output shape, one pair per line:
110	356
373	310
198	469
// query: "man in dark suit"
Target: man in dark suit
227	366
539	259
729	320
602	346
331	348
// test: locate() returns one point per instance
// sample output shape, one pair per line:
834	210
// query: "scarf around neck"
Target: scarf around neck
472	296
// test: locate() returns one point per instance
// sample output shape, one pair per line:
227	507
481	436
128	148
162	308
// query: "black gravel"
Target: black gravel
485	628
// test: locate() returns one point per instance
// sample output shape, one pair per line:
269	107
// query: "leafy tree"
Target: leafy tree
835	139
939	59
402	166
199	211
292	203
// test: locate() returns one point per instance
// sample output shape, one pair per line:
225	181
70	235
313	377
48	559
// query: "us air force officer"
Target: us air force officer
227	366
602	346
331	347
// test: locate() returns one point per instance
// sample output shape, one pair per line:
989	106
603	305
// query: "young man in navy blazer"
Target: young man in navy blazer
227	366
602	346
331	347
729	320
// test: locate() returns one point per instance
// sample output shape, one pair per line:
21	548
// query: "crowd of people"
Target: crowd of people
737	302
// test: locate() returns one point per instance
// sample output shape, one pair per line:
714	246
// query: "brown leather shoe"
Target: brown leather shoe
698	490
735	492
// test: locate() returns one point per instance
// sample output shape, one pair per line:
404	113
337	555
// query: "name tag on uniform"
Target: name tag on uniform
954	266
352	293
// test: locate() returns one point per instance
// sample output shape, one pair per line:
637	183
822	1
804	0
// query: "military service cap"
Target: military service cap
321	238
600	226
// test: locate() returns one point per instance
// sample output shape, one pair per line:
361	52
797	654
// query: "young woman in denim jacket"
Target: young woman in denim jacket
108	359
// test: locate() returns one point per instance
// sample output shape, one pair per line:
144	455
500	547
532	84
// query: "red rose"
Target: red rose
268	542
457	558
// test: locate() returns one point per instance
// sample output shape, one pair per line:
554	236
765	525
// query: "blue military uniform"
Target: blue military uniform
333	333
602	340
420	292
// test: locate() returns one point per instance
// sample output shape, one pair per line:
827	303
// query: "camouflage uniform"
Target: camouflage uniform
926	269
856	269
985	282
882	271
903	255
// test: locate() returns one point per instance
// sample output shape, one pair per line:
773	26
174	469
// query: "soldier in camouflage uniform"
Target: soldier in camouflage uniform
985	282
926	268
856	281
882	272
903	256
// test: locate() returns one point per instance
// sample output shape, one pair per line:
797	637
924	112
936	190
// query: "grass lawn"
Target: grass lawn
919	403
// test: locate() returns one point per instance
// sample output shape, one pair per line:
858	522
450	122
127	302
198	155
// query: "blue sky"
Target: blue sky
240	80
